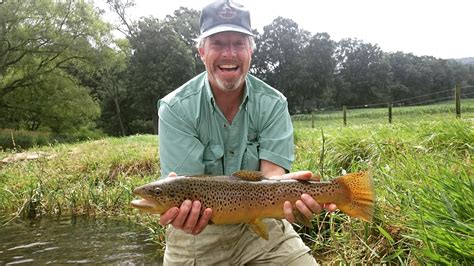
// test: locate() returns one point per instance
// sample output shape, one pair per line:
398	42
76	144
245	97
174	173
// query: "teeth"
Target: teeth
228	66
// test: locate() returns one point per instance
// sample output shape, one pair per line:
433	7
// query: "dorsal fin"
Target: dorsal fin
249	175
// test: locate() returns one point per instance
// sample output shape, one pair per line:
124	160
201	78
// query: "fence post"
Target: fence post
344	117
390	112
312	119
457	95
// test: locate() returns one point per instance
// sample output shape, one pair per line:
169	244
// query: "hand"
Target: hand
306	205
187	217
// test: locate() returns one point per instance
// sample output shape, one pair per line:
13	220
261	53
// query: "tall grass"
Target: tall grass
423	177
94	177
422	172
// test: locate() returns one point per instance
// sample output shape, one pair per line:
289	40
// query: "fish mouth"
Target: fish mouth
146	205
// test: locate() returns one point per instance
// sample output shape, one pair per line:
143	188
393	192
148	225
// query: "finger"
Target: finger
167	217
203	221
303	209
299	175
192	218
178	222
172	174
288	211
313	206
330	207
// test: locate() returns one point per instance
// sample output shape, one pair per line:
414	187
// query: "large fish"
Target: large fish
246	197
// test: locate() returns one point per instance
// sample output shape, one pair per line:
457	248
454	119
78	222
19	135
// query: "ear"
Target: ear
201	53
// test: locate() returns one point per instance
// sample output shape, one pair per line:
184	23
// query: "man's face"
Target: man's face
227	58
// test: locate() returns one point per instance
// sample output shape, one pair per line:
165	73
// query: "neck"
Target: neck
228	102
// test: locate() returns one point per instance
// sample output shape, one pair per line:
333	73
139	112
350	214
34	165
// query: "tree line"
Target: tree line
63	70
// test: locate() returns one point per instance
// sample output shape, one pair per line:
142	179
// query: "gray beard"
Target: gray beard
230	86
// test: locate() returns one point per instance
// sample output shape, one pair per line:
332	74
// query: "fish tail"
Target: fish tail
362	195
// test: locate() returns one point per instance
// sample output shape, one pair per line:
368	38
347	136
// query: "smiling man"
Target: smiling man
222	121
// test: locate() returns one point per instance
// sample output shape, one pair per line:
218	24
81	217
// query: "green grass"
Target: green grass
422	169
364	116
423	178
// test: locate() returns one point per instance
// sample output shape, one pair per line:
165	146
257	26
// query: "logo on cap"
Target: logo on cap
227	12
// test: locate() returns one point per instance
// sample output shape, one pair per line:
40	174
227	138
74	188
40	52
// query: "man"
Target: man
221	121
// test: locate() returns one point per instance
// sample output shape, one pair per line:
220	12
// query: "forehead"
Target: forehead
228	35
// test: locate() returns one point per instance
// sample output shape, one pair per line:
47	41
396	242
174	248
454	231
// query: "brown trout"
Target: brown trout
246	197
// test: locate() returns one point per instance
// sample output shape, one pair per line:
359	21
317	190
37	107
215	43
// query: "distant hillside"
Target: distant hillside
466	60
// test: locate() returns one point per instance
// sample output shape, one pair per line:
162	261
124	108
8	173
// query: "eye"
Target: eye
157	191
216	43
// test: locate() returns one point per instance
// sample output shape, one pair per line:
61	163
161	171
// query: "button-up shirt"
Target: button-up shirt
195	138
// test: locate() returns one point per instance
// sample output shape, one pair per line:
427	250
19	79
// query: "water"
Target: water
80	240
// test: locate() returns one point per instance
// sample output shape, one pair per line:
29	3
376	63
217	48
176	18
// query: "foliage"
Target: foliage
40	41
364	71
186	23
279	57
61	69
161	62
422	171
21	139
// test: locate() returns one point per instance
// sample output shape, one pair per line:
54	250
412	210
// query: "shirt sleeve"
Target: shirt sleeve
180	149
276	137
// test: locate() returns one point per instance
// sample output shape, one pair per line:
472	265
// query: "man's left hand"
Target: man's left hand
306	205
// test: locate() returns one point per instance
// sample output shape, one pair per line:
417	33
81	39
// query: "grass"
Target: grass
422	170
380	115
423	177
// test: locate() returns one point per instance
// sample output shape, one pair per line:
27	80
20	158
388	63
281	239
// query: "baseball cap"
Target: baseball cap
224	15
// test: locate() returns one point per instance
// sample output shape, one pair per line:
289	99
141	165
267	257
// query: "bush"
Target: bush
22	139
82	134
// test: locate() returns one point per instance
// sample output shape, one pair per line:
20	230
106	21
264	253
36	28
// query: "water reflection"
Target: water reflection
80	240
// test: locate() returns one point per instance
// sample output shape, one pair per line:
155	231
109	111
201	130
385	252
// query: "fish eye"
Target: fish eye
157	190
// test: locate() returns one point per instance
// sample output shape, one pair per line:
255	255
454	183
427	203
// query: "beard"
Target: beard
229	85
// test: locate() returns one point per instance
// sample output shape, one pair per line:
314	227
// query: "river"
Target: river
77	240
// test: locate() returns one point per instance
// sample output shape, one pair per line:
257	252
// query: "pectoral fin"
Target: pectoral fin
260	228
301	219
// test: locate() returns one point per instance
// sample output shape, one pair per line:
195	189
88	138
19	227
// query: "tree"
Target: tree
112	77
55	103
161	62
279	59
318	70
39	41
186	23
364	71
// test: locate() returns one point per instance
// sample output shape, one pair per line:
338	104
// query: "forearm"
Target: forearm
270	169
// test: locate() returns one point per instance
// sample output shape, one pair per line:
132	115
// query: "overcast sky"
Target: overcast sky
440	28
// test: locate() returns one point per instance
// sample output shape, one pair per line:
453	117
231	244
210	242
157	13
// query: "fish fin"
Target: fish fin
259	228
362	195
301	219
248	175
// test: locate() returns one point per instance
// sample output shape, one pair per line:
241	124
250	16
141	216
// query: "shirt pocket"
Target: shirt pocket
250	160
213	160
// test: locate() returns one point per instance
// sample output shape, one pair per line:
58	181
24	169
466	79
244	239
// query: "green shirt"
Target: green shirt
195	138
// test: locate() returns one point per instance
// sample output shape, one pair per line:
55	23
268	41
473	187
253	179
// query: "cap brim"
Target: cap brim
225	27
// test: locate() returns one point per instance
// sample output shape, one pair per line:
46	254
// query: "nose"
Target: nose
229	50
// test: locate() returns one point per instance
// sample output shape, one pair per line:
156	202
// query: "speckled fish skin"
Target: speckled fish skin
234	200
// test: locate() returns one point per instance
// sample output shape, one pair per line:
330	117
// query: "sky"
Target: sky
439	28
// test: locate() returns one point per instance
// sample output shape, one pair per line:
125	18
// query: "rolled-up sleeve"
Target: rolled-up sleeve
276	137
180	150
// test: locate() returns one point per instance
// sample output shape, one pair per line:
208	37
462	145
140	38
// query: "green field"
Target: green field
422	167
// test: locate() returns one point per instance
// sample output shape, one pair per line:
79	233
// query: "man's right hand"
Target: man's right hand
187	217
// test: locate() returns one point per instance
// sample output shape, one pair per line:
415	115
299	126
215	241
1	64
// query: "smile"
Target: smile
228	67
